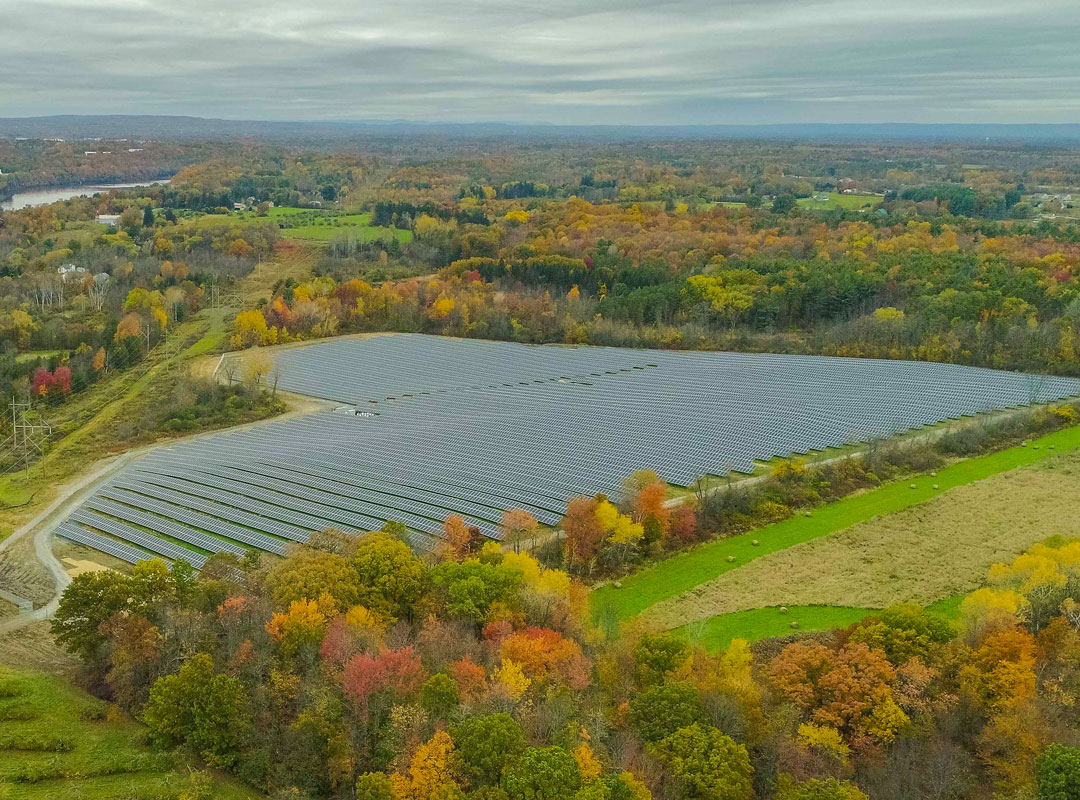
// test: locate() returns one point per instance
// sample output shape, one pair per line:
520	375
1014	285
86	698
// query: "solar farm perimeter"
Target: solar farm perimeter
430	426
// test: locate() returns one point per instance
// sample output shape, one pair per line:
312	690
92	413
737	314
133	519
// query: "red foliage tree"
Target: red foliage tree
62	379
397	673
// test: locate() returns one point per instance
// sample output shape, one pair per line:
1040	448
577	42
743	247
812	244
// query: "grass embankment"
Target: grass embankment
56	741
683	572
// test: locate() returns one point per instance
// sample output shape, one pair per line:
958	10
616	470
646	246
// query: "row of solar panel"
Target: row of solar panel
481	427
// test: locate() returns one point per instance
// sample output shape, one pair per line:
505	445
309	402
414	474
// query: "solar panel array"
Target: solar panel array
434	426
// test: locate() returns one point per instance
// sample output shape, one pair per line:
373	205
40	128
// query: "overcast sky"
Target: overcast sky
592	61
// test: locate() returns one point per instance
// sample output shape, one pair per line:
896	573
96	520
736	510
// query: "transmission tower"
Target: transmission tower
171	345
27	440
225	298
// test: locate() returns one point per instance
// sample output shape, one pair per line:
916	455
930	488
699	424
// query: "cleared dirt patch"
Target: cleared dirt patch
940	548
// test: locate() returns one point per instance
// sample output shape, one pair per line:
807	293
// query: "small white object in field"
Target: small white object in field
913	486
731	558
808	513
783	609
754	543
618	584
1023	443
935	486
933	474
794	623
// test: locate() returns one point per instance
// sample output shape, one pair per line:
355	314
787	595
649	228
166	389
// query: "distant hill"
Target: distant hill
178	128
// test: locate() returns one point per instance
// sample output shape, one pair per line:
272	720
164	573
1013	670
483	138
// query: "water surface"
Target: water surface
54	194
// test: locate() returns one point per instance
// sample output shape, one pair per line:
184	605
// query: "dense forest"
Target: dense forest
352	668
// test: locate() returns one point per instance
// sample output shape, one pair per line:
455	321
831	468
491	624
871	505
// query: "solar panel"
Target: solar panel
432	426
124	552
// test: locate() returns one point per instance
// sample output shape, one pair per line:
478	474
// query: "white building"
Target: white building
66	271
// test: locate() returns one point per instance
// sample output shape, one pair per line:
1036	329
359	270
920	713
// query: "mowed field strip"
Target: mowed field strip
716	633
921	554
682	573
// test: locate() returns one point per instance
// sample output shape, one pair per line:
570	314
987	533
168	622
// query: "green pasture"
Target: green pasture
848	202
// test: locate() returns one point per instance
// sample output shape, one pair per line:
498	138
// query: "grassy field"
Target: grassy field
755	624
850	202
56	741
312	225
921	554
35	355
683	572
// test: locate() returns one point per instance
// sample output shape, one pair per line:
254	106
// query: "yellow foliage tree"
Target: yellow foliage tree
431	774
511	679
588	764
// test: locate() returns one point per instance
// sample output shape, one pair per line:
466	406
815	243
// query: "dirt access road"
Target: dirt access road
39	529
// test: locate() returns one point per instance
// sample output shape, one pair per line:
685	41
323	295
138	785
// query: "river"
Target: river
54	194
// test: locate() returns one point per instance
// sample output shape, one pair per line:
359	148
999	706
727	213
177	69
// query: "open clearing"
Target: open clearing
921	554
316	225
59	742
682	573
848	202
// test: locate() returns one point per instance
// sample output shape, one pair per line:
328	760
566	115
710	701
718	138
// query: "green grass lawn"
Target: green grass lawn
315	226
755	624
683	572
56	741
35	355
850	202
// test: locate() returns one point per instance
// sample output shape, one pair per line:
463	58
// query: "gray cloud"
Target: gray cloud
634	61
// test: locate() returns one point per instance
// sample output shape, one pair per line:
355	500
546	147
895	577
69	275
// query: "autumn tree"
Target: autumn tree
664	709
583	530
432	774
706	764
486	745
517	527
646	495
200	708
849	689
542	773
393	674
461	539
391	579
307	574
